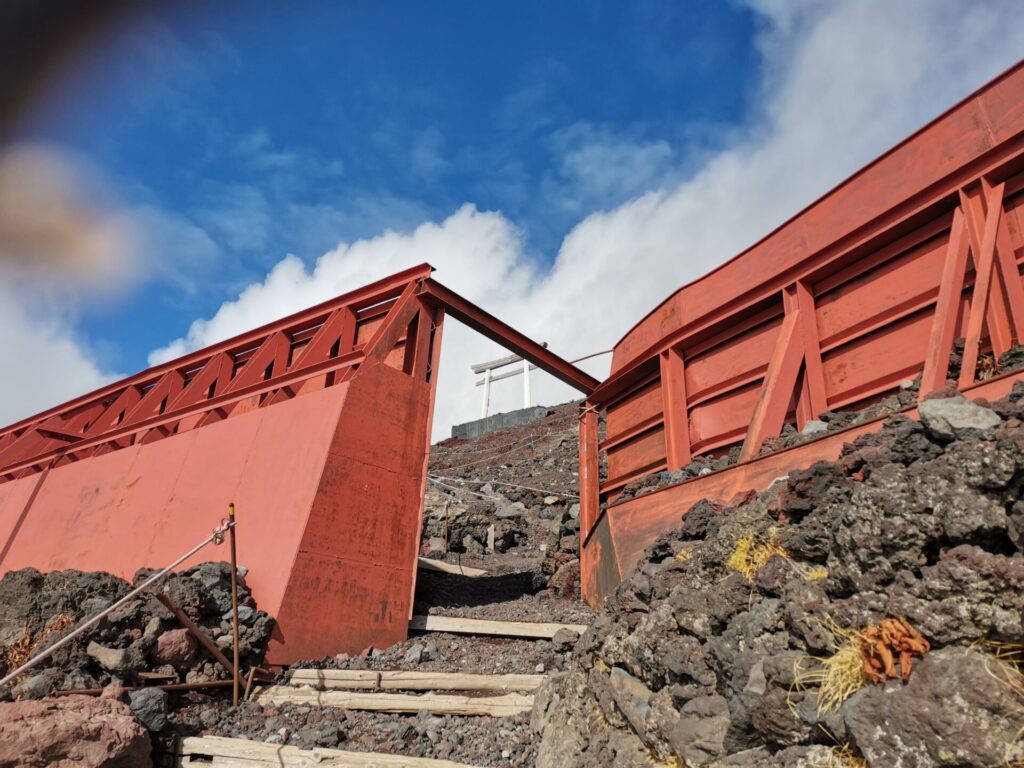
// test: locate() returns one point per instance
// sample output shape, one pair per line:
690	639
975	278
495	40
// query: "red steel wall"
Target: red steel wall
831	311
316	427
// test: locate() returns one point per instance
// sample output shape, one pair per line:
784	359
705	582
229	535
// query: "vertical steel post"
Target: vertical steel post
234	601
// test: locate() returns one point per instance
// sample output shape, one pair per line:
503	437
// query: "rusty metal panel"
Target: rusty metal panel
634	525
317	428
978	135
868	286
636	407
644	450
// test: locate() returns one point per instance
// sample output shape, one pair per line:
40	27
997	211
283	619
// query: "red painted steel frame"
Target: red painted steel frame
317	426
865	288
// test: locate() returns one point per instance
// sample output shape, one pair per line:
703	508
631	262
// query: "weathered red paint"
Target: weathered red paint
316	426
863	289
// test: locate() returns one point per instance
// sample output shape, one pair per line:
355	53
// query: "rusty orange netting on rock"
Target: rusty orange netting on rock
883	644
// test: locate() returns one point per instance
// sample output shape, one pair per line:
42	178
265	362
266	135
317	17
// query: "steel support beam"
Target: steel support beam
673	396
497	331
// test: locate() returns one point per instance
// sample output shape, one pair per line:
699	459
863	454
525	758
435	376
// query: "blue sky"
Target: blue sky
565	165
272	130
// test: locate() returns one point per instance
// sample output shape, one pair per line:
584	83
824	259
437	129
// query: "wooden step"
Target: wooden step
528	629
440	703
429	564
221	752
360	679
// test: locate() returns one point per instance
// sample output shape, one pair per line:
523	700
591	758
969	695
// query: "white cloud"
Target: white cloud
598	168
46	364
843	82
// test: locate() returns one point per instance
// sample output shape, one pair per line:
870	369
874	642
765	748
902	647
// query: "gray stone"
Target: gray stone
955	710
39	685
574	511
699	735
430	650
414	655
121	661
954	418
631	696
546	700
564	640
814	427
149	705
210	575
245	614
94	605
435	546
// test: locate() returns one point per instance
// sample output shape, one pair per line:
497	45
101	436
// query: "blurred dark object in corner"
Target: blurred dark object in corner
35	36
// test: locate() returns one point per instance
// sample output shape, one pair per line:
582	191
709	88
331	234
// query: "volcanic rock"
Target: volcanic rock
71	732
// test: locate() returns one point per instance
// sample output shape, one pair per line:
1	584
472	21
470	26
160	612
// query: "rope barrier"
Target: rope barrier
437	481
437	478
217	536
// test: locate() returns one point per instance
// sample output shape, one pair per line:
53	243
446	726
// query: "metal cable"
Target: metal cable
438	478
216	536
437	481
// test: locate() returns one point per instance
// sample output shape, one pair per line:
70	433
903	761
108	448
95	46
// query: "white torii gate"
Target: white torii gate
488	367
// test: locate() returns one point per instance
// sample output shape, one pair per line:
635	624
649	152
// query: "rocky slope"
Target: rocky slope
760	634
140	637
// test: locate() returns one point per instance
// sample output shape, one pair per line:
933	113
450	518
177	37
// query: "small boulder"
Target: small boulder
414	655
38	685
952	418
699	735
120	661
564	640
80	731
149	705
176	647
955	710
566	580
814	427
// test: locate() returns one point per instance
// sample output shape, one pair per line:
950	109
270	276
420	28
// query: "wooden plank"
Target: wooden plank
218	752
429	564
533	629
441	703
400	680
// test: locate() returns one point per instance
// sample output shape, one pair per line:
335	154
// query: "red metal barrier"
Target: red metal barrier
317	427
868	286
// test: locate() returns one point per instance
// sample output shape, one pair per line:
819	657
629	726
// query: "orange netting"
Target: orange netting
882	645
